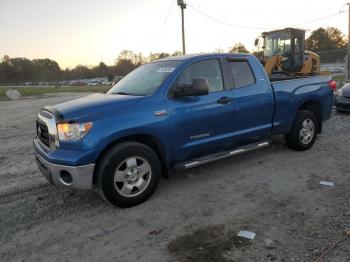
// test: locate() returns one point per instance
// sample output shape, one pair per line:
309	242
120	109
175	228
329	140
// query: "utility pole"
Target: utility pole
348	53
182	5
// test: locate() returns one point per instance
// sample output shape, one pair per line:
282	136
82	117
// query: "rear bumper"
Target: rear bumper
78	177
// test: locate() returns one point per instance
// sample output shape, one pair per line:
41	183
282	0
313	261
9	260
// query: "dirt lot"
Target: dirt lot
194	216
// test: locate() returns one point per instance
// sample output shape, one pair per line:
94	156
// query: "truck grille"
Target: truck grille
43	133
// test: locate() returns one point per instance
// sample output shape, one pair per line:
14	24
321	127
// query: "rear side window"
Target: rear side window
242	73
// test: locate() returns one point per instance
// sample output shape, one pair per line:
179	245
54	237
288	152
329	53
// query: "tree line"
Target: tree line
329	42
20	70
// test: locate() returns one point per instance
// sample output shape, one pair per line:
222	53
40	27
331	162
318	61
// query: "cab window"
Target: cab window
242	73
209	69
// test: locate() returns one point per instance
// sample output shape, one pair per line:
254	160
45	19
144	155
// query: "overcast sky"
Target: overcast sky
88	31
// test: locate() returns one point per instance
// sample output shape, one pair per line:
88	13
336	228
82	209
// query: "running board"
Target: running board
213	157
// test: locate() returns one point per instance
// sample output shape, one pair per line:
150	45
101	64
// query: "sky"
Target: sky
86	32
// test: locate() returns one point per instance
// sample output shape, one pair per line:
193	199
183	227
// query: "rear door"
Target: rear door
201	125
253	101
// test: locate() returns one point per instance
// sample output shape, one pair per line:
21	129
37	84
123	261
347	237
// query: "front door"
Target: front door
201	125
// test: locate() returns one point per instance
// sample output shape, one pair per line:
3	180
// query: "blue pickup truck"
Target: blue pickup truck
171	114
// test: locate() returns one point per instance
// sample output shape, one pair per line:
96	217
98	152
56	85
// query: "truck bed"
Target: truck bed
290	95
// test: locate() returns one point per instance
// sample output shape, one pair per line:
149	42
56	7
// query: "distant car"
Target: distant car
64	83
342	98
107	83
77	83
337	70
93	83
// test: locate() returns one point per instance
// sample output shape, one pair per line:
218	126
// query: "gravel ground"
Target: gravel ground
194	216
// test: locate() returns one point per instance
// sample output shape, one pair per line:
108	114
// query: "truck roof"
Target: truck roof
193	56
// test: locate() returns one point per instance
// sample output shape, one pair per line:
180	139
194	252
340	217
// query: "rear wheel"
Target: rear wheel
128	174
304	132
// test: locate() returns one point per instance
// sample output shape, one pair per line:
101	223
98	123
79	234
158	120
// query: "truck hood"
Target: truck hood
92	104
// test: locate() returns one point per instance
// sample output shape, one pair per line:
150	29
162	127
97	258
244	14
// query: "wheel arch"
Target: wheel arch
315	108
142	138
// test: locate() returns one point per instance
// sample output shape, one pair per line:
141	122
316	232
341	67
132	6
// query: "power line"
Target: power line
321	18
223	22
168	13
259	28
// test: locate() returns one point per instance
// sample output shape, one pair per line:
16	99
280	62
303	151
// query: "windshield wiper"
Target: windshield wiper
127	94
122	93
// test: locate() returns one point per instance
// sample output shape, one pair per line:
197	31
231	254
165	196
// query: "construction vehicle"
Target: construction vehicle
282	52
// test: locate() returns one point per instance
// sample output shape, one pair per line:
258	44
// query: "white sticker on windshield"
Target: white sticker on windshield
166	69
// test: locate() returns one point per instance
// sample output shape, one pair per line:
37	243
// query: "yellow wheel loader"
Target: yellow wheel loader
283	53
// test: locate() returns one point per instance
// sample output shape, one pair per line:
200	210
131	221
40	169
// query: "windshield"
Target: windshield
277	43
144	80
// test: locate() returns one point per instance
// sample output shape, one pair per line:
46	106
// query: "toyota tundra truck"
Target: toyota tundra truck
173	114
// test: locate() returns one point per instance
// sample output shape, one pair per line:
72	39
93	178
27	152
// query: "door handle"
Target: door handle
224	100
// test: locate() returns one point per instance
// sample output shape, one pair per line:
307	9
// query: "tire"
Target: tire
304	131
128	174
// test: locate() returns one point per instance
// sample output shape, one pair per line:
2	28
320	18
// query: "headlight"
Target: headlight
73	131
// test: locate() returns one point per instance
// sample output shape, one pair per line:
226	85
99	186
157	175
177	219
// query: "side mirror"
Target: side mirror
199	87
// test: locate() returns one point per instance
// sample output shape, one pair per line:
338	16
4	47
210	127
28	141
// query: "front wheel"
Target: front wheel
128	174
304	131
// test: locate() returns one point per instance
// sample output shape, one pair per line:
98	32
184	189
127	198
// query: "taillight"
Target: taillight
332	85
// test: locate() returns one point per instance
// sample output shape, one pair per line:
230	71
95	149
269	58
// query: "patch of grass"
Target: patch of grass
41	90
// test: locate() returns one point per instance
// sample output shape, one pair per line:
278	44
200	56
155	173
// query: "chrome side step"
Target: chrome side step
213	157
